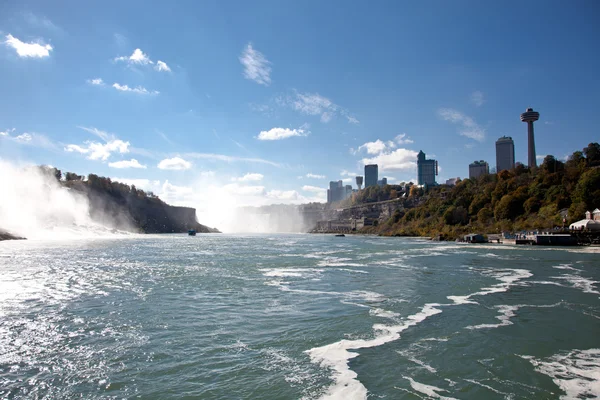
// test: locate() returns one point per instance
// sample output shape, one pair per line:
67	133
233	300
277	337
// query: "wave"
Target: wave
428	390
576	372
336	356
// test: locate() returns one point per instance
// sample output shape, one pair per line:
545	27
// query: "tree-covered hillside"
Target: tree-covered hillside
519	199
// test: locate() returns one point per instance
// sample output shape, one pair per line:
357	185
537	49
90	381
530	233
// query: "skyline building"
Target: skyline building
530	117
478	168
382	182
371	175
338	192
505	153
426	170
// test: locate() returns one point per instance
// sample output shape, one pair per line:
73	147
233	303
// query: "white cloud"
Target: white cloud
170	190
162	66
7	132
315	176
399	159
347	180
280	133
256	66
403	139
96	81
540	157
137	57
139	89
249	177
175	163
375	147
99	151
133	163
469	127
477	98
315	189
230	159
23	138
28	49
348	173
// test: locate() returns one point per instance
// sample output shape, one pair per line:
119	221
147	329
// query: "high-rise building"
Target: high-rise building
338	192
530	117
382	182
371	175
478	168
426	170
505	153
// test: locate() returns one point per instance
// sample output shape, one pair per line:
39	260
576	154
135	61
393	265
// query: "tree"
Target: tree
592	154
508	208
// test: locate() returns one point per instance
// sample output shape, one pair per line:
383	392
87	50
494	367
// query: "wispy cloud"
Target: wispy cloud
162	66
256	66
230	159
96	81
315	104
133	163
348	173
315	176
477	98
249	177
28	139
403	139
469	128
175	163
281	133
33	50
41	22
138	89
165	137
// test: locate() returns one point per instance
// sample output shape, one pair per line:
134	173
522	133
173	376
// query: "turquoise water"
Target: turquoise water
296	316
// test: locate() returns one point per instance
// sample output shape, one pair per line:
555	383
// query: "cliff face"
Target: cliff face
132	210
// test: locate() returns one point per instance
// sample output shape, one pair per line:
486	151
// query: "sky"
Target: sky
228	103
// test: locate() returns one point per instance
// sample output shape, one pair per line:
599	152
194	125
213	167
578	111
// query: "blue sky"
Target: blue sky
267	101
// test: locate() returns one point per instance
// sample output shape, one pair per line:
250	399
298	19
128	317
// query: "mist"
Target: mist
34	205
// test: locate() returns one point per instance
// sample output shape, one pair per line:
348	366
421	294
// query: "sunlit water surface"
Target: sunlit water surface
296	316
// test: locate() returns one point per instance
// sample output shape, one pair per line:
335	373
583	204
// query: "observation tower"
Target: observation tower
530	116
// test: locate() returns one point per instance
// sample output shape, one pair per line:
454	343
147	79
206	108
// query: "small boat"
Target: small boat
340	235
192	232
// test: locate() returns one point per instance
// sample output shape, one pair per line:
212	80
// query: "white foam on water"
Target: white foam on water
291	272
358	271
506	313
508	277
450	382
435	340
379	312
577	372
487	387
336	355
428	390
566	266
422	364
579	282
